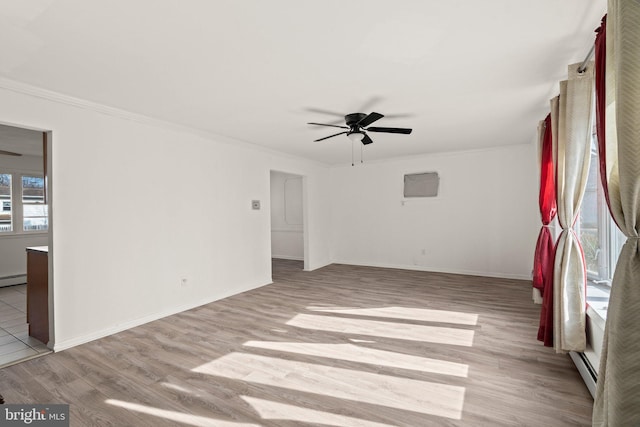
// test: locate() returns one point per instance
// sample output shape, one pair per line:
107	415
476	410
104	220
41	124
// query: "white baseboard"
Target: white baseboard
83	339
17	279
294	258
438	270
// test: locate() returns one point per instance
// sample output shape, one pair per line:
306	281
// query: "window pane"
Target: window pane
31	224
589	233
32	189
35	212
5	200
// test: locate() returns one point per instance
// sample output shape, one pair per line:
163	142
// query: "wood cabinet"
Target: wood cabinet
38	293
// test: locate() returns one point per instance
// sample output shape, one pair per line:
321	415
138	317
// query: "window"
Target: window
35	212
601	240
22	207
6	217
593	230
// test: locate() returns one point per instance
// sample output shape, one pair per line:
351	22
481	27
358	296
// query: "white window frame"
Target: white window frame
11	201
22	203
609	240
17	211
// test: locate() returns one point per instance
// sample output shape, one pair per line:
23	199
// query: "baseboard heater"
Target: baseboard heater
588	374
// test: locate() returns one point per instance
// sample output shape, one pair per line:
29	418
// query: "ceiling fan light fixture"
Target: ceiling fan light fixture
355	136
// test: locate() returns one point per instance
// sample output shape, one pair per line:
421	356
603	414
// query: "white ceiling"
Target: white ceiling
464	74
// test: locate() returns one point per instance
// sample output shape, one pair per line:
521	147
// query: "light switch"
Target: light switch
255	205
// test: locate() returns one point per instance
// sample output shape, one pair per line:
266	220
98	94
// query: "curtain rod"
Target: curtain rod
583	67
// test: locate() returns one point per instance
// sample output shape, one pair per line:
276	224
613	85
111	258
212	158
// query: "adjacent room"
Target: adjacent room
279	213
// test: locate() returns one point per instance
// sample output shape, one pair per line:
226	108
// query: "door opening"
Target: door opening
287	220
25	224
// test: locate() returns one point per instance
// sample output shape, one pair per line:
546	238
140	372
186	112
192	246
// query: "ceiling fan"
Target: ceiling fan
357	125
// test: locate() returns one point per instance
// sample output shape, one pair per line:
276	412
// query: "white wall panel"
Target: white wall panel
484	220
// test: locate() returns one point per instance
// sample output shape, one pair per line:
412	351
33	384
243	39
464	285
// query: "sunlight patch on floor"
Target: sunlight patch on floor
355	353
178	417
270	410
406	313
404	331
385	390
177	388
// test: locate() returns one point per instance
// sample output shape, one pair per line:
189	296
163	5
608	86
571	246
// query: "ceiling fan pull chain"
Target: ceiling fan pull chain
361	153
352	153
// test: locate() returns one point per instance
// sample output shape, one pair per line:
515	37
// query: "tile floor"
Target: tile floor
15	342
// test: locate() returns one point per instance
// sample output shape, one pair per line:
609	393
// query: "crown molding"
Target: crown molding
49	95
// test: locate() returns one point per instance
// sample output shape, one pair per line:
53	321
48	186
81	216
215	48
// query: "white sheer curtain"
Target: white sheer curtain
572	156
617	400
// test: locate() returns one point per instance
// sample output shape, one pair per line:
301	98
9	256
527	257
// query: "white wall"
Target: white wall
483	222
138	206
13	256
287	239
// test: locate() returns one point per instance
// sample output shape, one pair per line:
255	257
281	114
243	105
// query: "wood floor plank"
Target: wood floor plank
342	345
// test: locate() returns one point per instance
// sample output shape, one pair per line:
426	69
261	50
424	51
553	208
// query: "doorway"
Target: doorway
288	237
24	223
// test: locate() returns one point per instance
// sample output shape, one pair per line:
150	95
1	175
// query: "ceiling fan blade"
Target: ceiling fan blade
336	121
399	116
330	136
368	104
322	111
366	140
390	130
10	153
324	124
366	121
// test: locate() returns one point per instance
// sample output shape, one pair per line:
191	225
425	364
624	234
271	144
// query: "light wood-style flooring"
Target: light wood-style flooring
339	346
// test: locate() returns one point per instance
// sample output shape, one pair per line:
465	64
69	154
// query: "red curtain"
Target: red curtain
545	247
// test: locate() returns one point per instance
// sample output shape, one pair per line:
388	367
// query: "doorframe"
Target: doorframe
305	221
48	158
47	174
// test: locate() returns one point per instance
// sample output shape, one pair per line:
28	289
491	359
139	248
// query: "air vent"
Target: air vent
423	184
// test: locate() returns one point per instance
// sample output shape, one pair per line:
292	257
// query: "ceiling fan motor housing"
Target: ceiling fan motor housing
353	118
